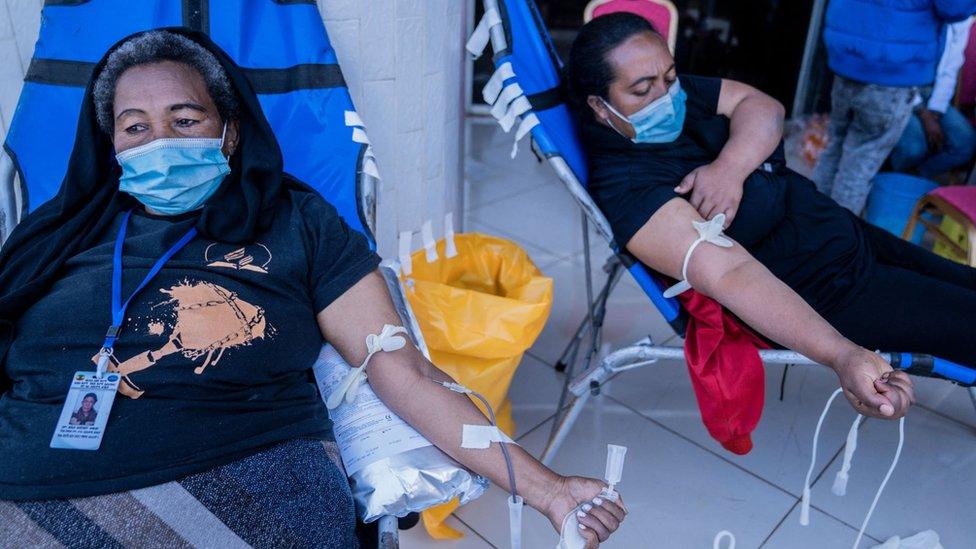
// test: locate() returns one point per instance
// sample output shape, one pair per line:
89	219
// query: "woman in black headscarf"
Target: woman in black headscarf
175	195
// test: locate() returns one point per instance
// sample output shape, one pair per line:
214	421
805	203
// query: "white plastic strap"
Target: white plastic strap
353	119
524	128
450	249
516	108
840	480
427	236
515	520
387	341
494	86
482	33
805	501
481	436
406	265
708	231
509	93
359	136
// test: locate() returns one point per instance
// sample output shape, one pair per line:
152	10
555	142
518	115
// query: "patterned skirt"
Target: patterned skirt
293	494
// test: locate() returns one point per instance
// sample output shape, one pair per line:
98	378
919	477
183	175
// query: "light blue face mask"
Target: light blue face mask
174	175
661	121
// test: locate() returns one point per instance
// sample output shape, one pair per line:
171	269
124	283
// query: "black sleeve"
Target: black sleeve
703	92
339	256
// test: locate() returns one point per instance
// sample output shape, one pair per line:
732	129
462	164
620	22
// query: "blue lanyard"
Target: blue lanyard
118	307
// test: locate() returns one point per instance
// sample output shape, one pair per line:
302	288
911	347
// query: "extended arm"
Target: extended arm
743	285
755	130
404	381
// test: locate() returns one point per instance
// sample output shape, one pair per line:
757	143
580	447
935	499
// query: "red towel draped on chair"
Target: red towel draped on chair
726	371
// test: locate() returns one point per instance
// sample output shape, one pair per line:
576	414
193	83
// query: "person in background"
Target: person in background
938	137
881	53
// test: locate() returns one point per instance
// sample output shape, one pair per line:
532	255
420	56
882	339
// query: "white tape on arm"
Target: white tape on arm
481	436
708	231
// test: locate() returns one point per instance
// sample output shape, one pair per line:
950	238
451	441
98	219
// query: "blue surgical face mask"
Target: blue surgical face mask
661	121
174	176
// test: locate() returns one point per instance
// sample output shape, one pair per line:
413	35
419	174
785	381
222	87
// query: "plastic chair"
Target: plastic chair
291	64
660	13
524	90
957	203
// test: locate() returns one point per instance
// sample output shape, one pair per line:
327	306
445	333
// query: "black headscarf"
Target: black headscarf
89	198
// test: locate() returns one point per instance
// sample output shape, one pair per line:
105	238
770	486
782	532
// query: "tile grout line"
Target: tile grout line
477	533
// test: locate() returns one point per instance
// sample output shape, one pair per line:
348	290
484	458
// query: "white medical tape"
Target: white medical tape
479	437
370	168
406	265
708	231
524	128
516	108
509	93
359	136
427	237
353	119
494	86
386	341
840	480
450	248
482	33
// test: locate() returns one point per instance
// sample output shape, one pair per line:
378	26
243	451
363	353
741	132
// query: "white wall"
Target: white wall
403	61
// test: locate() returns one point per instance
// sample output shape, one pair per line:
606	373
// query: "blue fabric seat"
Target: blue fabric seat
283	46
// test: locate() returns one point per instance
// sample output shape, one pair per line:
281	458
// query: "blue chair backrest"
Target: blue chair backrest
537	69
282	44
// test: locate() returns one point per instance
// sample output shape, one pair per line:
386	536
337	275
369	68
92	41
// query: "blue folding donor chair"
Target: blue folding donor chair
524	90
291	64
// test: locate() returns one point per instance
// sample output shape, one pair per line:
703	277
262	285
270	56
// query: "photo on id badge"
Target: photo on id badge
85	412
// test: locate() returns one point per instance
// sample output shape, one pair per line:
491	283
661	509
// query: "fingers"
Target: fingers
872	402
586	517
686	184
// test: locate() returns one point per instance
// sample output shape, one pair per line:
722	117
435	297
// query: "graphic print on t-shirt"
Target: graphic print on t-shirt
254	257
208	320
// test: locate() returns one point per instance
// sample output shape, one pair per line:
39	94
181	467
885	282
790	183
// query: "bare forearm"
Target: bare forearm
768	305
755	130
440	414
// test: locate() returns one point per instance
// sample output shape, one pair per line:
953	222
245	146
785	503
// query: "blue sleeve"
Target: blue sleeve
952	11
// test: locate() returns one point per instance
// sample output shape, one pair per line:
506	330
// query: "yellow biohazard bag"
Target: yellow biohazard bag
479	311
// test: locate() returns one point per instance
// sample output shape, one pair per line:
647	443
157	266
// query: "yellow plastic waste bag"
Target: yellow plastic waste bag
479	311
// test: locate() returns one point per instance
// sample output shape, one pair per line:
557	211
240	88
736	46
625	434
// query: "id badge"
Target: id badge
86	410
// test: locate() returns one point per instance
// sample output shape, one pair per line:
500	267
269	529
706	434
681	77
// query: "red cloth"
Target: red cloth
726	371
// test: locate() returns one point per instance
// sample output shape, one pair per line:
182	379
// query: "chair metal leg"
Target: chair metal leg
972	395
389	532
562	427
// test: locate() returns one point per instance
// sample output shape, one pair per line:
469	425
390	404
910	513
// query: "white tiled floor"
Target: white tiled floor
680	486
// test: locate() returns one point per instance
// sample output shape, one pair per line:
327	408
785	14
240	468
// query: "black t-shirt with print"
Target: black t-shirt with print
802	236
216	351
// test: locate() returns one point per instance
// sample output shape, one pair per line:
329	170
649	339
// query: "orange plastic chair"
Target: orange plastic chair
661	13
957	203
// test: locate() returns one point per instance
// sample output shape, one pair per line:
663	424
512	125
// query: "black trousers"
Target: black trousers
915	301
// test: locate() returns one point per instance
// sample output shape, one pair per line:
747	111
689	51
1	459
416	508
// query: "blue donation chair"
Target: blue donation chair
525	91
283	46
